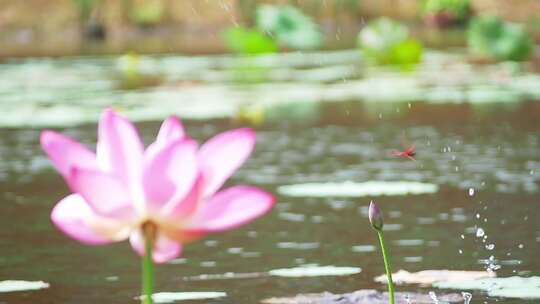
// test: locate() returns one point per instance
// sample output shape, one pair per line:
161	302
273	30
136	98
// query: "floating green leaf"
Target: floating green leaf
370	296
289	25
385	41
429	277
489	36
170	297
511	287
248	42
18	285
314	271
352	189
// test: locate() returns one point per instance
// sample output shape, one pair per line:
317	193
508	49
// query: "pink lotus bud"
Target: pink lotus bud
375	216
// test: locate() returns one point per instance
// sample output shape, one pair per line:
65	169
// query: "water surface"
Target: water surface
494	151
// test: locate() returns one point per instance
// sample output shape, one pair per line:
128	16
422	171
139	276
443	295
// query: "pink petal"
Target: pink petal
119	149
74	217
66	153
222	155
164	249
169	172
231	208
171	130
180	207
104	193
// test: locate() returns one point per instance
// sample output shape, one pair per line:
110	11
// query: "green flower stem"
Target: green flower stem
386	258
148	274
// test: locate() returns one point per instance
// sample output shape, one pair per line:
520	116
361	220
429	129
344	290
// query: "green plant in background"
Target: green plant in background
446	12
249	43
147	12
135	72
246	41
85	9
491	37
289	26
384	41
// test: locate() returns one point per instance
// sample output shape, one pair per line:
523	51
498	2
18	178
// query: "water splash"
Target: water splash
492	264
407	299
433	296
467	297
480	232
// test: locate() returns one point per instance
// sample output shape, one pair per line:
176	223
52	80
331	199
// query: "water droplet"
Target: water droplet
433	296
462	237
460	251
490	246
409	105
480	232
520	246
471	191
466	297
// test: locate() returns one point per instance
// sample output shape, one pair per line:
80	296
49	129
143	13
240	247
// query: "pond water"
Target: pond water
485	160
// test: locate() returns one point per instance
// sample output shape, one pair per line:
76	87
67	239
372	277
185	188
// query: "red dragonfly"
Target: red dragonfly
409	153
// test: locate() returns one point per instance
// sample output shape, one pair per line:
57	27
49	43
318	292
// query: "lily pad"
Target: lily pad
431	277
171	297
353	189
314	271
511	287
365	296
18	285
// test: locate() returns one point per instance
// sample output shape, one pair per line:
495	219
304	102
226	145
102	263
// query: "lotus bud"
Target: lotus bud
375	216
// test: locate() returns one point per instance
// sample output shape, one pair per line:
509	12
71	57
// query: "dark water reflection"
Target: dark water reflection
496	152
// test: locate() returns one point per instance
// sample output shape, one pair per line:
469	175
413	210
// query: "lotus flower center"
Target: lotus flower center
149	229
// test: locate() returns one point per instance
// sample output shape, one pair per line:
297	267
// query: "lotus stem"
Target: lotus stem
148	273
387	267
376	220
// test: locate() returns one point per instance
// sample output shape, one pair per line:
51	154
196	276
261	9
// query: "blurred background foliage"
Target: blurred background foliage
384	41
491	37
71	27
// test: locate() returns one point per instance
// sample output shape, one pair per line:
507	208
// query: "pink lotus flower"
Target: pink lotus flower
171	186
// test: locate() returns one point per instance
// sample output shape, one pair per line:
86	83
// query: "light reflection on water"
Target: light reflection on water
435	231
